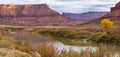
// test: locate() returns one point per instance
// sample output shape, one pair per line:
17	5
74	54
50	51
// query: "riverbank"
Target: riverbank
86	36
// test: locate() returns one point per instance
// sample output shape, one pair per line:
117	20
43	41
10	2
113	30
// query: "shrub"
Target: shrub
24	46
106	23
59	33
110	36
47	50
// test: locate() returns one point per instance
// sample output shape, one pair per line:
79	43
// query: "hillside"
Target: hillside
113	15
91	15
31	15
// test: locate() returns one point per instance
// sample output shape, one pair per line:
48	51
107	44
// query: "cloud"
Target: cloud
73	6
79	6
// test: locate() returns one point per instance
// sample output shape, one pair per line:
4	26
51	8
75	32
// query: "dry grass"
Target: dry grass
50	51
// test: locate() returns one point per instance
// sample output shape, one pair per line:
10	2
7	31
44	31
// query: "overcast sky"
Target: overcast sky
71	6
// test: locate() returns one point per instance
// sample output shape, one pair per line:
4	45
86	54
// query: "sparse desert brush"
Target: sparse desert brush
7	42
64	33
51	51
13	44
106	23
109	36
47	51
24	46
13	28
6	52
4	31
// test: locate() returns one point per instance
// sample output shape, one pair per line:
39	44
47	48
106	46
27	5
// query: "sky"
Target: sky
69	6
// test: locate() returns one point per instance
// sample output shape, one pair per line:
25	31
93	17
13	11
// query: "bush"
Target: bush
59	33
24	46
47	50
64	33
110	36
106	23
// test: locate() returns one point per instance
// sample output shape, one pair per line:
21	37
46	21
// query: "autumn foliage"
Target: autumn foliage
106	23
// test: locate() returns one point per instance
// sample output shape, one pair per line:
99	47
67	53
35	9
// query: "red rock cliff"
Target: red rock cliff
115	12
37	14
26	10
117	7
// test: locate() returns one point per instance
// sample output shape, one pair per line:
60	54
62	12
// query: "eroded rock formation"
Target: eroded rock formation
117	7
37	14
115	12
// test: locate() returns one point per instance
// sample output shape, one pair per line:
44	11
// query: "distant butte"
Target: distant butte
31	14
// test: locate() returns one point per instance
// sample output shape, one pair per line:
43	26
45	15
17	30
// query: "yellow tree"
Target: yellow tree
106	23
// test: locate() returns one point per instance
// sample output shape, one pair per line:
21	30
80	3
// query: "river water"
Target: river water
61	46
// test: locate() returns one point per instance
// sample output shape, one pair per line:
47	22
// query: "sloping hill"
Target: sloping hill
91	15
